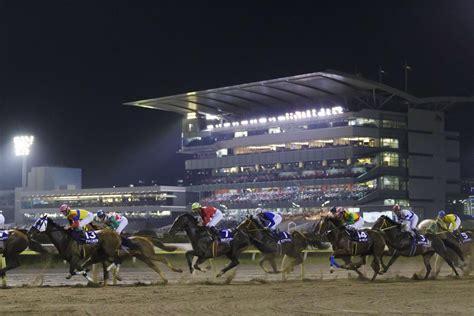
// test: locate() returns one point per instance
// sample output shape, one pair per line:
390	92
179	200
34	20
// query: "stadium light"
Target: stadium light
22	149
297	115
23	144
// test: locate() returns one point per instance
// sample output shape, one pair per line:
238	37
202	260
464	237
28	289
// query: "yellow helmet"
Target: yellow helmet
195	206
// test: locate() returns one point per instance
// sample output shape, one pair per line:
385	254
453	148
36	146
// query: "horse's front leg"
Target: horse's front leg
199	261
189	258
12	263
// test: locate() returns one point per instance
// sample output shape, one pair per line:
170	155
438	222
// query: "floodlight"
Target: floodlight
23	144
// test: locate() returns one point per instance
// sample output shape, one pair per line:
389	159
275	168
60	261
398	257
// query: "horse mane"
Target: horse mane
389	219
54	224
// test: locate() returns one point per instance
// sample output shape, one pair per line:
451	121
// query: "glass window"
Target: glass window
274	130
240	134
393	124
390	142
390	159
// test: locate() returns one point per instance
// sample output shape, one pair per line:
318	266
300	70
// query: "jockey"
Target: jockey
2	220
451	222
351	219
269	219
211	216
407	219
77	218
112	220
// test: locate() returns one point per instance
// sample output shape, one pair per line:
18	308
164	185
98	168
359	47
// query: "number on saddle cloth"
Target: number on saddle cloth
358	235
226	235
3	235
422	240
82	237
465	237
283	237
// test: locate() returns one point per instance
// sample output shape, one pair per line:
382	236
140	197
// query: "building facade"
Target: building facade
145	207
318	140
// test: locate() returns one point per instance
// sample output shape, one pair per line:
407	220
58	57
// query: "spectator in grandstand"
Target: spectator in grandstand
407	219
451	223
112	220
211	216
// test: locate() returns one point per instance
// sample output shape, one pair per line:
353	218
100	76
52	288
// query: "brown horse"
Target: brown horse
80	256
343	247
271	248
16	243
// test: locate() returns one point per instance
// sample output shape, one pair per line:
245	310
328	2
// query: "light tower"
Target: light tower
22	148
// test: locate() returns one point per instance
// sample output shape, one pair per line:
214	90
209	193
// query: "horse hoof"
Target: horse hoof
118	277
68	277
331	270
219	275
178	270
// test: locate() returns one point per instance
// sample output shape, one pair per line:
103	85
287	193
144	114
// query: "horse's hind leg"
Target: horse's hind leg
165	260
270	257
375	266
12	263
426	261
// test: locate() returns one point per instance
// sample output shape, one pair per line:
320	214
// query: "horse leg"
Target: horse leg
189	258
348	265
233	263
165	260
391	261
198	262
153	266
426	261
12	263
375	266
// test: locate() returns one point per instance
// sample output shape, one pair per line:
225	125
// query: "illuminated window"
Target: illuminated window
240	134
390	142
390	159
274	130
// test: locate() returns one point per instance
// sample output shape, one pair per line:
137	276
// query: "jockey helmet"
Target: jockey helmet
333	210
259	210
64	208
195	206
339	210
441	214
100	214
396	208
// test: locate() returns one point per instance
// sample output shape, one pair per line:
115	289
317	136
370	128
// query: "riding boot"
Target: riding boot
416	235
457	235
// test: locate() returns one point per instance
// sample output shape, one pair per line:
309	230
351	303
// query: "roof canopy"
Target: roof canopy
297	92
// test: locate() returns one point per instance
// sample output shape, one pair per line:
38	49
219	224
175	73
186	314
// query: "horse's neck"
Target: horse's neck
59	238
193	232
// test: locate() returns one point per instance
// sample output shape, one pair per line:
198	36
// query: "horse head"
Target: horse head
182	222
40	225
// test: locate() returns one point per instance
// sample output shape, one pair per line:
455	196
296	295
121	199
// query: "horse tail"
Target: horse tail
161	245
454	247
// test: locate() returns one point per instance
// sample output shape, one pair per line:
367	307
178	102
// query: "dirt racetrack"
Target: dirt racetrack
446	296
250	292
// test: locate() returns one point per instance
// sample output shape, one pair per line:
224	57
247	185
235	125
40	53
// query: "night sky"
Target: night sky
66	68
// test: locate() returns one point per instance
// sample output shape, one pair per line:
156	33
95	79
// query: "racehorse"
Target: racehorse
262	239
79	256
142	248
204	247
467	246
16	243
343	247
402	245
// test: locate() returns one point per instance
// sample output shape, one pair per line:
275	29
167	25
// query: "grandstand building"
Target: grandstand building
304	142
146	207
